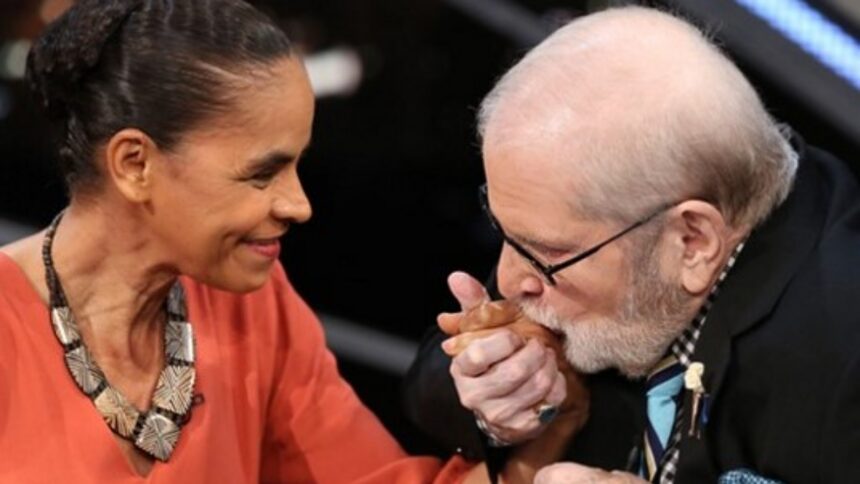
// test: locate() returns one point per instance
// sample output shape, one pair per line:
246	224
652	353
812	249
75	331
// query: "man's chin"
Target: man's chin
587	355
636	372
592	345
629	371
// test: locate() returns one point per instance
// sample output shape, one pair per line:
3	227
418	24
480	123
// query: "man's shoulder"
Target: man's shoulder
793	356
814	310
815	320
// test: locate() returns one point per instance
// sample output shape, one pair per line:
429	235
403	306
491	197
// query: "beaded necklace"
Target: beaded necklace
157	430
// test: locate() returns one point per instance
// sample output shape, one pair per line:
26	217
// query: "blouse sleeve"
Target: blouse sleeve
317	430
8	360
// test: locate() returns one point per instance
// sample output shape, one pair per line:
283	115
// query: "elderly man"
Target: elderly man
696	265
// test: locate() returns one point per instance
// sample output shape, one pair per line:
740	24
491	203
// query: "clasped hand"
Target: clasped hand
506	367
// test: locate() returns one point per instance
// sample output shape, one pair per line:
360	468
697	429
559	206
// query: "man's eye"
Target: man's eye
551	253
555	253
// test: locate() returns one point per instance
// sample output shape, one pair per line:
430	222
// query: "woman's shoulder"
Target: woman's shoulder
21	266
25	253
21	302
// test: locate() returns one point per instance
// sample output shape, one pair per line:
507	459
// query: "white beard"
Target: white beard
652	316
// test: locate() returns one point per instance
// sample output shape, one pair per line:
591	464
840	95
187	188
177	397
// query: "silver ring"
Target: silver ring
492	440
546	412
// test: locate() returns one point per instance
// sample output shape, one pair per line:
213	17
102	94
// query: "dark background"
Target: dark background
393	169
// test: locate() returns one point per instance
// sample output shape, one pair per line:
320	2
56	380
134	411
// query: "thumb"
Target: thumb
468	291
570	473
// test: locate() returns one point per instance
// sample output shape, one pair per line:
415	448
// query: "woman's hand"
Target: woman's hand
506	368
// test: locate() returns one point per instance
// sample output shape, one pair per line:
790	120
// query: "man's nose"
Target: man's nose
516	277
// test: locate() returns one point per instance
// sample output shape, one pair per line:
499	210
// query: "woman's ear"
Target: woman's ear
130	156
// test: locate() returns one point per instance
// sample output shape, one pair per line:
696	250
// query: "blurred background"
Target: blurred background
394	165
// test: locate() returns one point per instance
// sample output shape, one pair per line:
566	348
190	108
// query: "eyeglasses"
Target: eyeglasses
548	271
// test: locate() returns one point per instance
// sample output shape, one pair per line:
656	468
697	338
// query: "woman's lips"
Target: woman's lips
268	248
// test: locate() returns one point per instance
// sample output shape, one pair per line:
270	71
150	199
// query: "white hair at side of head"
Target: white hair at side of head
650	112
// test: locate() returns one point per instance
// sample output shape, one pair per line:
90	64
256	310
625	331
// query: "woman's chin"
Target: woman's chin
240	280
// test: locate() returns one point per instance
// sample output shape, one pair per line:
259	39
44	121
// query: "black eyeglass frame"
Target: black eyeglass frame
548	271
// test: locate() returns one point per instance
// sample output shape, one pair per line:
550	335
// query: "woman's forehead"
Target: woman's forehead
271	112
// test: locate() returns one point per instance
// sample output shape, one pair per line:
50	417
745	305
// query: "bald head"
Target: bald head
635	104
617	58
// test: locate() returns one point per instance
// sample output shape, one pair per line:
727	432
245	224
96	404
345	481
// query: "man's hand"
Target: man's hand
570	473
506	367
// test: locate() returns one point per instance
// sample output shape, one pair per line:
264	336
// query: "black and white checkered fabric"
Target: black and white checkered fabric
683	348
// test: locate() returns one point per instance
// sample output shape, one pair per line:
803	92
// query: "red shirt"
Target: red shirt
275	408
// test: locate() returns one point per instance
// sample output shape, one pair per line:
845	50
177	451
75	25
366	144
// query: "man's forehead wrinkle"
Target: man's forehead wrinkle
625	66
622	47
597	116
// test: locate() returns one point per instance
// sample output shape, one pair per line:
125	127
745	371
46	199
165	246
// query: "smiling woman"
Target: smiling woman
150	335
236	178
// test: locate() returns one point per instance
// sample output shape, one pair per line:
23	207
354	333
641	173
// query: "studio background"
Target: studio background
394	166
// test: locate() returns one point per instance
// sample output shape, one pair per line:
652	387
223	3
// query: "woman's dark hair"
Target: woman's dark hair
157	65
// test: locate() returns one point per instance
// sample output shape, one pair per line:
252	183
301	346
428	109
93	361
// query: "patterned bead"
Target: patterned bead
120	416
175	388
64	327
176	307
158	436
84	370
180	341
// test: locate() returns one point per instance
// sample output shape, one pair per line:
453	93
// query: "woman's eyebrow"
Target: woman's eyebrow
273	160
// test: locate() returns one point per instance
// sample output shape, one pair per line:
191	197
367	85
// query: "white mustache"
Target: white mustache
544	316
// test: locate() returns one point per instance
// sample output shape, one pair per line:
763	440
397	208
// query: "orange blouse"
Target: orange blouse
274	408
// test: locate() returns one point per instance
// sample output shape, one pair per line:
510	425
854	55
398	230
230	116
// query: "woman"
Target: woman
149	334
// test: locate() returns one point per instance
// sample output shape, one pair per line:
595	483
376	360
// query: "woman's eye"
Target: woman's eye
262	179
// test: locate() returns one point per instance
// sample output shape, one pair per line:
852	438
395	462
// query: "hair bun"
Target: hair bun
71	46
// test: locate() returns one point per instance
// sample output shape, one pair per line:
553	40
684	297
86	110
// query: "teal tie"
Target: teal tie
663	386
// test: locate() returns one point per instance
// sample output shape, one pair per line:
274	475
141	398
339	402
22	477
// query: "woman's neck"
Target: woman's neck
116	283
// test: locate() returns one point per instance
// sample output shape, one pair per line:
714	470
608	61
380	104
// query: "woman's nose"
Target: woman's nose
290	202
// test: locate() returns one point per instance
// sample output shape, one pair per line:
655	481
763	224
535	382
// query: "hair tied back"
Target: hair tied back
71	46
154	65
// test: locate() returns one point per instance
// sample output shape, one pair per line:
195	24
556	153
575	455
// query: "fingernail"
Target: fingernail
448	344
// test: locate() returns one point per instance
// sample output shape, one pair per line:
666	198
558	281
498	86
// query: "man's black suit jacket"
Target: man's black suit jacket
781	350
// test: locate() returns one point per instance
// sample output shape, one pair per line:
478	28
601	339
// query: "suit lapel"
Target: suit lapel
773	254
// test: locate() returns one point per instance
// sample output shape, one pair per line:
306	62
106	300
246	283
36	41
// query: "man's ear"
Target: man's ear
700	230
130	157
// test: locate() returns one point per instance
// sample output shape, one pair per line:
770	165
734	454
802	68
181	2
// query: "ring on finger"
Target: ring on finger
545	413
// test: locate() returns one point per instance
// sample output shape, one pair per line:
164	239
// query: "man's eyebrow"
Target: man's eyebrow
534	241
545	244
